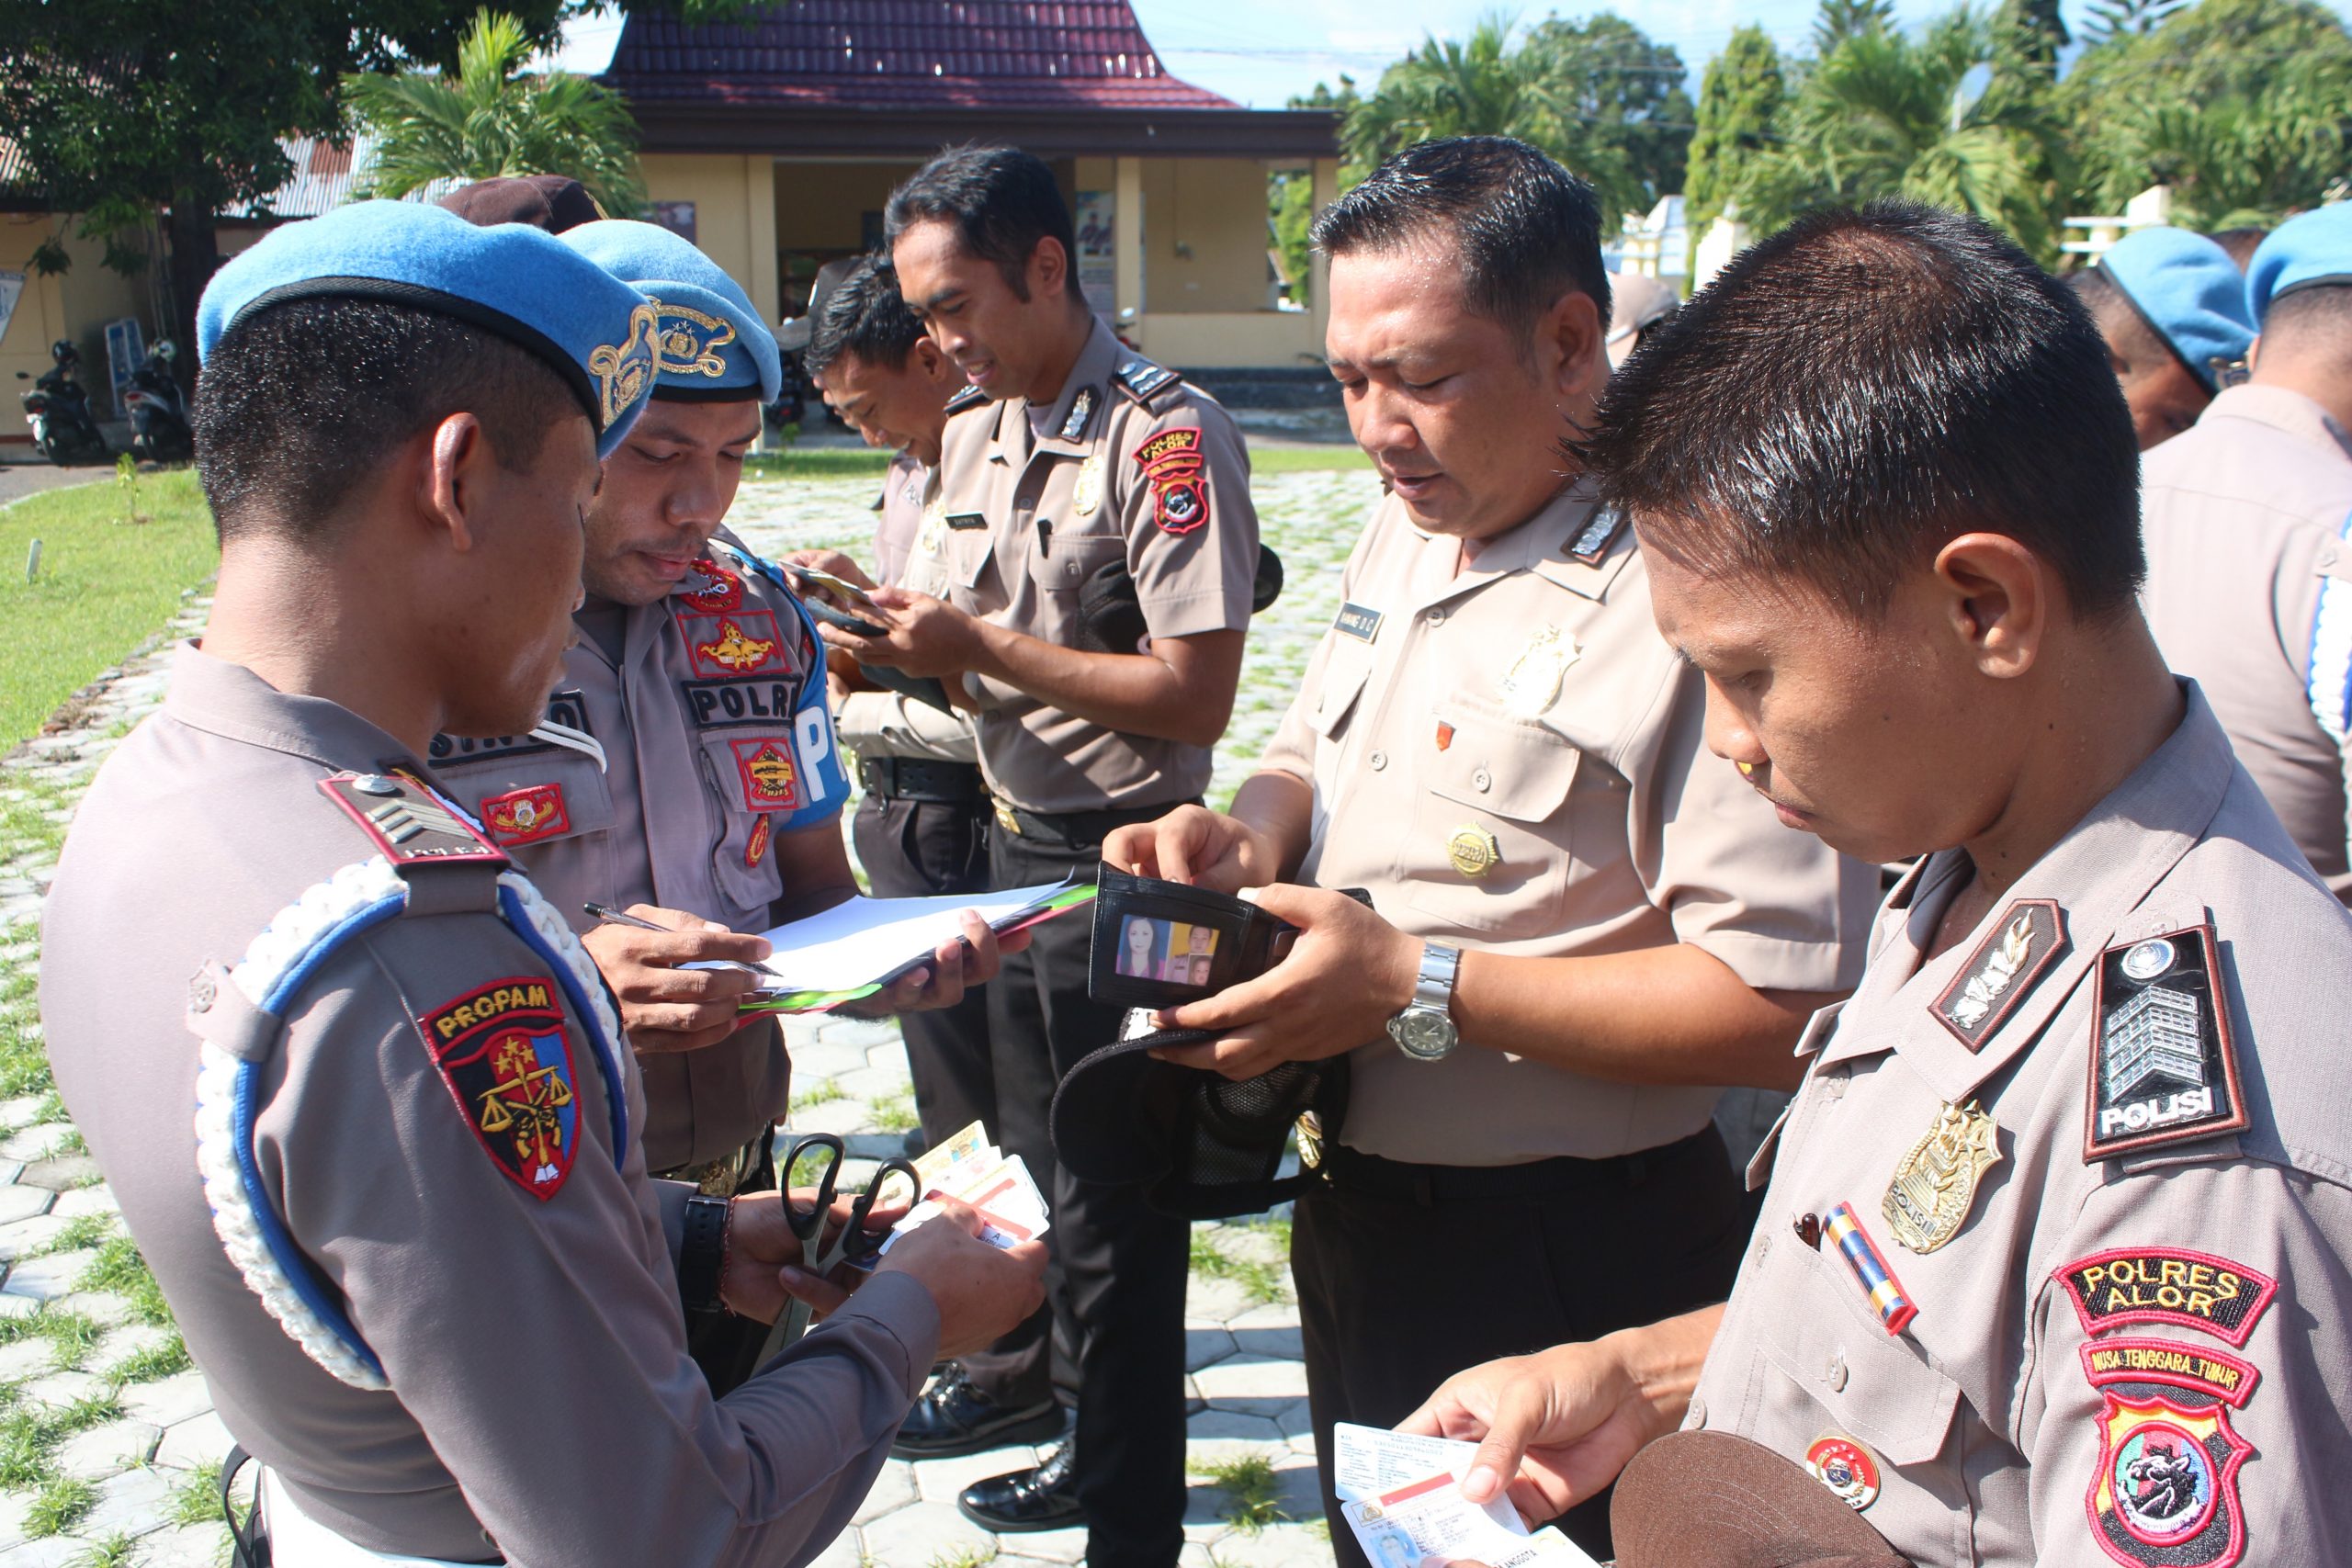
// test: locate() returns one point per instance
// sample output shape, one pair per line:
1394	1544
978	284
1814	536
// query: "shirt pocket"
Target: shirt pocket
1490	849
536	798
1878	1386
963	554
756	782
1326	705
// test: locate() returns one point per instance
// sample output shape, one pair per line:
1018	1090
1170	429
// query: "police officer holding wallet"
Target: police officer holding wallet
1073	459
1584	925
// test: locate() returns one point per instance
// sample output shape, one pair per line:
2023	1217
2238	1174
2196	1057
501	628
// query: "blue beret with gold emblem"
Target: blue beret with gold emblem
521	283
711	345
2188	290
2309	248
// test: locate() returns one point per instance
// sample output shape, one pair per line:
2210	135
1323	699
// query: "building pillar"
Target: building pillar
1319	267
1127	241
758	199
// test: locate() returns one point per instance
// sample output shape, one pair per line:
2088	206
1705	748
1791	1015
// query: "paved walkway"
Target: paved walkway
109	1445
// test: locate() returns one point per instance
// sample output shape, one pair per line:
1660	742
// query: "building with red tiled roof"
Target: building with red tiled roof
775	143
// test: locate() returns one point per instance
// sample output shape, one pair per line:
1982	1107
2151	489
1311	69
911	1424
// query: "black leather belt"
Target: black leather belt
920	778
1079	829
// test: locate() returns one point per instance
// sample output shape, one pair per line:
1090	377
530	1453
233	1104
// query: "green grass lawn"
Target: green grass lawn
856	462
105	586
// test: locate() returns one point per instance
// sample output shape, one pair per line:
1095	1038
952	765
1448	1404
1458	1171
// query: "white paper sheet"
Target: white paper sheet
861	941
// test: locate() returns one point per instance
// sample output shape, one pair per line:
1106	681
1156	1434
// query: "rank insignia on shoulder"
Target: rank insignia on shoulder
1143	380
527	815
1592	541
1082	414
2024	941
2161	1069
1171	461
1935	1185
503	1053
2167	1284
409	822
1357	621
2166	1490
970	397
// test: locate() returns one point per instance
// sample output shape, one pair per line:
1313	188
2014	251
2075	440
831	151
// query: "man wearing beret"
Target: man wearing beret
2171	306
2054	1248
363	1100
687	770
2246	517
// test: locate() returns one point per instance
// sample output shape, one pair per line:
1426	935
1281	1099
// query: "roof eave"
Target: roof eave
784	130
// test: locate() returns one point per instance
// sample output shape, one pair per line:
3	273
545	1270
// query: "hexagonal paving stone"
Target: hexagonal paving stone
169	1402
50	1276
922	1532
894	1488
1276	1546
50	1551
185	1546
1220	1430
1049	1546
98	1200
59	1174
1249	1382
135	1502
103	1451
1219	1300
63	1388
24	1202
1206	1343
1269	1331
844	1553
19	1237
195	1443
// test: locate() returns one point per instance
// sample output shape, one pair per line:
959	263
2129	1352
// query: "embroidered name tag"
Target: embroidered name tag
566	708
1357	622
963	522
2163	1284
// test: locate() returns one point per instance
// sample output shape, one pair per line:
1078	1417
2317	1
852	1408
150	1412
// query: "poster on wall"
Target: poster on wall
1097	261
12	284
678	217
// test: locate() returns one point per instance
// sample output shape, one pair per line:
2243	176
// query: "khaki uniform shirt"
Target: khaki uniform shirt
716	738
2101	1332
1130	464
2250	594
1527	707
541	1403
886	724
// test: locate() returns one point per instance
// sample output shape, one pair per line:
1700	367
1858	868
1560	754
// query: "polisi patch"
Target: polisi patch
2132	1362
566	708
2163	1284
505	1054
2163	1069
527	815
2167	1488
2022	945
739	643
1171	462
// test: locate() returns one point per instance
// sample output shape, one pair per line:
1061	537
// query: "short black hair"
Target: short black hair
2115	312
2318	314
1001	202
2240	242
1852	393
300	400
1528	230
865	315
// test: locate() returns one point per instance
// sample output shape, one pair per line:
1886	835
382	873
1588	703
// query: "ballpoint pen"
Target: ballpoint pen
600	912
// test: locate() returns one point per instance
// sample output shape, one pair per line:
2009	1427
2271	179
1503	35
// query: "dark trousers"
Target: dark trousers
1117	1289
1531	1255
726	1348
911	848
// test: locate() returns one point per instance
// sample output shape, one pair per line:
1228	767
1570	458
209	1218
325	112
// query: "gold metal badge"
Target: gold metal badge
1474	852
1310	1140
1531	685
1935	1185
623	369
934	532
680	349
1087	493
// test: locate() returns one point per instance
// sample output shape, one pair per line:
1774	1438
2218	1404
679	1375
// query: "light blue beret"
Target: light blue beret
2309	248
711	345
2189	291
519	282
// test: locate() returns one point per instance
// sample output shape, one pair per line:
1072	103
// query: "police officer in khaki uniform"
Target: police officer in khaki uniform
1581	926
1077	472
2245	517
922	825
363	1098
2057	1230
687	772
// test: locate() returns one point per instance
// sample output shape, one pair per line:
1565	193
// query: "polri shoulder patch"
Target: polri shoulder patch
1080	416
1358	621
1592	541
1143	380
2166	1492
2167	1284
1171	461
2023	942
2161	1069
409	822
507	1058
970	397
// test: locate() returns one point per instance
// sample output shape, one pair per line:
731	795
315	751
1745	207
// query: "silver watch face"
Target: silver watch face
1426	1033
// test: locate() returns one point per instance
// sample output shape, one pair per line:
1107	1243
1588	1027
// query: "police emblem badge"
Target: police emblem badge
1171	461
1086	491
623	369
934	532
2162	1068
527	815
505	1055
1934	1186
1473	851
1845	1467
710	587
2166	1487
688	342
732	652
771	782
2022	944
1531	685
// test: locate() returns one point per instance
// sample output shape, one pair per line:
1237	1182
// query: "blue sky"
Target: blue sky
1260	52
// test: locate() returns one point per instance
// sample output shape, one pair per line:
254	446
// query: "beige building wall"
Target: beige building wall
1203	235
735	214
76	304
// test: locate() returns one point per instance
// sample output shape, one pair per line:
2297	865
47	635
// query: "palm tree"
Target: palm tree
487	120
2233	162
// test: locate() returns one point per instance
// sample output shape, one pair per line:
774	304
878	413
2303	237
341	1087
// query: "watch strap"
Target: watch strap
702	1256
1439	965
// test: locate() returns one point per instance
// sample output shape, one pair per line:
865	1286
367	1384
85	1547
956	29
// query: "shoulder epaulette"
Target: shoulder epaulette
970	397
411	824
1593	540
1143	380
2164	1066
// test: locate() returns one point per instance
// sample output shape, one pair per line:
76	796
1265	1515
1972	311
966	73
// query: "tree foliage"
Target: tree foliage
487	119
1740	104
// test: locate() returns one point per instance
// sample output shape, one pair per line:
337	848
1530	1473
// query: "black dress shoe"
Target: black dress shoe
1045	1498
952	1417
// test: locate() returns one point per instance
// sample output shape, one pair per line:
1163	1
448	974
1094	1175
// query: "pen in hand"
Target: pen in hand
602	912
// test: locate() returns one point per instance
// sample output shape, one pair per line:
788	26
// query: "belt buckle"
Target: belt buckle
1005	819
720	1176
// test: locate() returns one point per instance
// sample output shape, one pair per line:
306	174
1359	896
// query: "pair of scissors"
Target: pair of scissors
808	1220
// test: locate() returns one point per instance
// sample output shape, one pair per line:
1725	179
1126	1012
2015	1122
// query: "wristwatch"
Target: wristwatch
1425	1031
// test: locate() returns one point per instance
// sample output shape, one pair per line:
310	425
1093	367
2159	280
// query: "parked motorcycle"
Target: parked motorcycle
159	425
58	410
